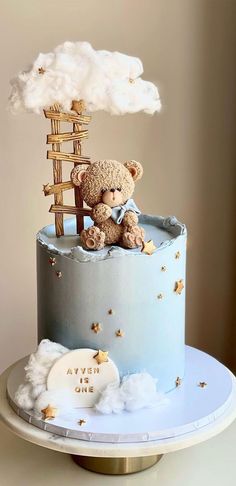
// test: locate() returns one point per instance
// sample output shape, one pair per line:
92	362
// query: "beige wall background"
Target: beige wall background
188	151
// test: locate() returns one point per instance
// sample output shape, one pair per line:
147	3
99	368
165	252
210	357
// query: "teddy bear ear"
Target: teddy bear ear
135	169
77	174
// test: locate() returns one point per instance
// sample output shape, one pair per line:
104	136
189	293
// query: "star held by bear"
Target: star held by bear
101	356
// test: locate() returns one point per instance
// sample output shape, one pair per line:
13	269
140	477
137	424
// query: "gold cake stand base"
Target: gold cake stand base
116	465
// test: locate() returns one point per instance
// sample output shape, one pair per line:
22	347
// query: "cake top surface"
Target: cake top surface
163	231
104	80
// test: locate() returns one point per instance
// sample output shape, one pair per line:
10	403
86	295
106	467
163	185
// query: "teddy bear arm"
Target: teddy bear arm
130	219
101	212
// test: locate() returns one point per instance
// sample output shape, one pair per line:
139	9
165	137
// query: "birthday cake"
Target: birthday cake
111	280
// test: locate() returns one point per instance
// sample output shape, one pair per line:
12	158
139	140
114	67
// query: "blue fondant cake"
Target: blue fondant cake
138	299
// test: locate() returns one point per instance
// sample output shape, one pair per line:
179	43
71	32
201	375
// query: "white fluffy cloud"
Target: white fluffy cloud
136	391
37	370
105	80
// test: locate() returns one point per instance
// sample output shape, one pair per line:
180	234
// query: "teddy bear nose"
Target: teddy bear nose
112	190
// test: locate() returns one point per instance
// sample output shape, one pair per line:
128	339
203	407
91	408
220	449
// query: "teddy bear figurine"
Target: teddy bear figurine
107	186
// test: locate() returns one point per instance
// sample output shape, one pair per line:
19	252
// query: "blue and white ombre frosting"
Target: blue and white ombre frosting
121	290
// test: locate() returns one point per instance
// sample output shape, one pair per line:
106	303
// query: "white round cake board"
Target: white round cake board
192	415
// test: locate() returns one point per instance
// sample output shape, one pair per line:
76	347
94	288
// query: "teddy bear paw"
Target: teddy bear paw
92	238
130	219
133	237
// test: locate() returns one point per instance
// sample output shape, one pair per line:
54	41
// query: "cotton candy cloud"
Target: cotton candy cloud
134	392
108	81
36	372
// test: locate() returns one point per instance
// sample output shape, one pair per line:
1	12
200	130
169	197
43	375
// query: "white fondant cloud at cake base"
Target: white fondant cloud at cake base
68	379
61	399
136	391
36	374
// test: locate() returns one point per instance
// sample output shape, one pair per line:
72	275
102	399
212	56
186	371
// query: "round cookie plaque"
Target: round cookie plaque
83	373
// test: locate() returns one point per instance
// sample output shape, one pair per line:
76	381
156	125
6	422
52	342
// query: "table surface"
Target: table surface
211	462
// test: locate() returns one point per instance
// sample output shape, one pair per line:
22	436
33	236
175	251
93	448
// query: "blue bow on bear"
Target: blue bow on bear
119	211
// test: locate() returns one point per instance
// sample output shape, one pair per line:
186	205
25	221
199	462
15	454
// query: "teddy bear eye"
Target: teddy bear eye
103	190
119	189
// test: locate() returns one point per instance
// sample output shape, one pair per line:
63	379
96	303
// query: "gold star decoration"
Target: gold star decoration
179	286
101	356
202	384
52	261
41	70
49	413
120	333
59	274
82	422
110	312
46	188
131	80
160	296
177	255
178	381
163	268
96	327
78	106
148	247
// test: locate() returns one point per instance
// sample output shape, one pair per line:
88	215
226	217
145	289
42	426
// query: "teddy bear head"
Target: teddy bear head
107	181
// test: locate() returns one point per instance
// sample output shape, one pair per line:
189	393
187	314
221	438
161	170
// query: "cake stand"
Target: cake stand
203	406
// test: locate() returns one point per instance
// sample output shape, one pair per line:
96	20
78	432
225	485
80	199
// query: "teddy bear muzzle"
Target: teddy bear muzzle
112	197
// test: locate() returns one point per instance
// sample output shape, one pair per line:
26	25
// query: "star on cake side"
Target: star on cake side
179	286
202	384
96	327
120	333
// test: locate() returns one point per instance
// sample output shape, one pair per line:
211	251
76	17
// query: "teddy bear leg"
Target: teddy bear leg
132	237
112	231
92	238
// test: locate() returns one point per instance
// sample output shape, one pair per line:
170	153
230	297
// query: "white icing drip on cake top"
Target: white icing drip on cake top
163	231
